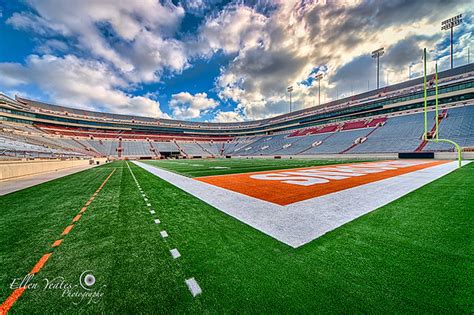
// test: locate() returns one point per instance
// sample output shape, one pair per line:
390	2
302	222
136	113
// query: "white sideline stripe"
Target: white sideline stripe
301	222
164	234
152	211
157	221
193	286
174	252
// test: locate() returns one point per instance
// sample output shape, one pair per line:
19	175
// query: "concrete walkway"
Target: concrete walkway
15	184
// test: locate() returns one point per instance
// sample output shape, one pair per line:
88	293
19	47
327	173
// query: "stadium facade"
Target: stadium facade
382	121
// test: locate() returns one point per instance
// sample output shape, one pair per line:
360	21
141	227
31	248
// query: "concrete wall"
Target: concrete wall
100	161
367	156
14	169
381	156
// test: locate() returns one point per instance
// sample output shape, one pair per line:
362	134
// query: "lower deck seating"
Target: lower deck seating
137	148
398	133
458	126
193	149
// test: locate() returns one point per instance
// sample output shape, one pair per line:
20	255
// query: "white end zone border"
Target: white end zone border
301	222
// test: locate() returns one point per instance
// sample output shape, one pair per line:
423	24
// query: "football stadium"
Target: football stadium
362	203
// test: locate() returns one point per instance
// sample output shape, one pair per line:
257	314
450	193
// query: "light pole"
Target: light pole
377	54
290	89
318	77
449	24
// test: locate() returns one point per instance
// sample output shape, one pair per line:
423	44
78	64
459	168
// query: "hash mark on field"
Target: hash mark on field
40	263
152	211
68	229
157	221
164	234
193	286
148	204
57	243
175	253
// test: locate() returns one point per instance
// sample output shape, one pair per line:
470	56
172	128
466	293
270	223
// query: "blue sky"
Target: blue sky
213	60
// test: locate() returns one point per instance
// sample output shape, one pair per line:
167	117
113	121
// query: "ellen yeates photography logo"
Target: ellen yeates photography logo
86	290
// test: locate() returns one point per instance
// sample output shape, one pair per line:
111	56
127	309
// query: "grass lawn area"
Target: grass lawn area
413	255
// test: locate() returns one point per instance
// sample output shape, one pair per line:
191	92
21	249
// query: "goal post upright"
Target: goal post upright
425	136
436	101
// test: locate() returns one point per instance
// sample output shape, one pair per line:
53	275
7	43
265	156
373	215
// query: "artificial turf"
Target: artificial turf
413	255
209	167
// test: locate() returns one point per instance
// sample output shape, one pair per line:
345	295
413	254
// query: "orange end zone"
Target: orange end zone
287	186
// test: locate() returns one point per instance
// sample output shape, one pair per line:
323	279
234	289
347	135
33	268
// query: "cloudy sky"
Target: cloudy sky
215	60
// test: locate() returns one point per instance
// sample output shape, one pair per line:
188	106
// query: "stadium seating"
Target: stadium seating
137	148
17	148
193	149
399	134
458	126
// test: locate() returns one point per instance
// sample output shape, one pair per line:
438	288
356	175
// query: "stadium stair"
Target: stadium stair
87	149
357	143
180	149
153	149
222	149
205	150
431	133
322	141
119	148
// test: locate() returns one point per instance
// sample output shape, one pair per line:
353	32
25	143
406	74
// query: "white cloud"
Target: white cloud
233	30
187	106
51	46
117	32
199	7
282	49
76	82
273	44
230	116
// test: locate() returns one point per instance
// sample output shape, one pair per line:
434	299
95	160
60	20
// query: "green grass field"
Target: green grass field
413	255
208	167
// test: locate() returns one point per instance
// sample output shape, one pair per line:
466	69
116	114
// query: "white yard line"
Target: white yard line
192	284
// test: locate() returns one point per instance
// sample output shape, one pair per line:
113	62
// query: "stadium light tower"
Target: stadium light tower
290	89
319	77
377	54
449	24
